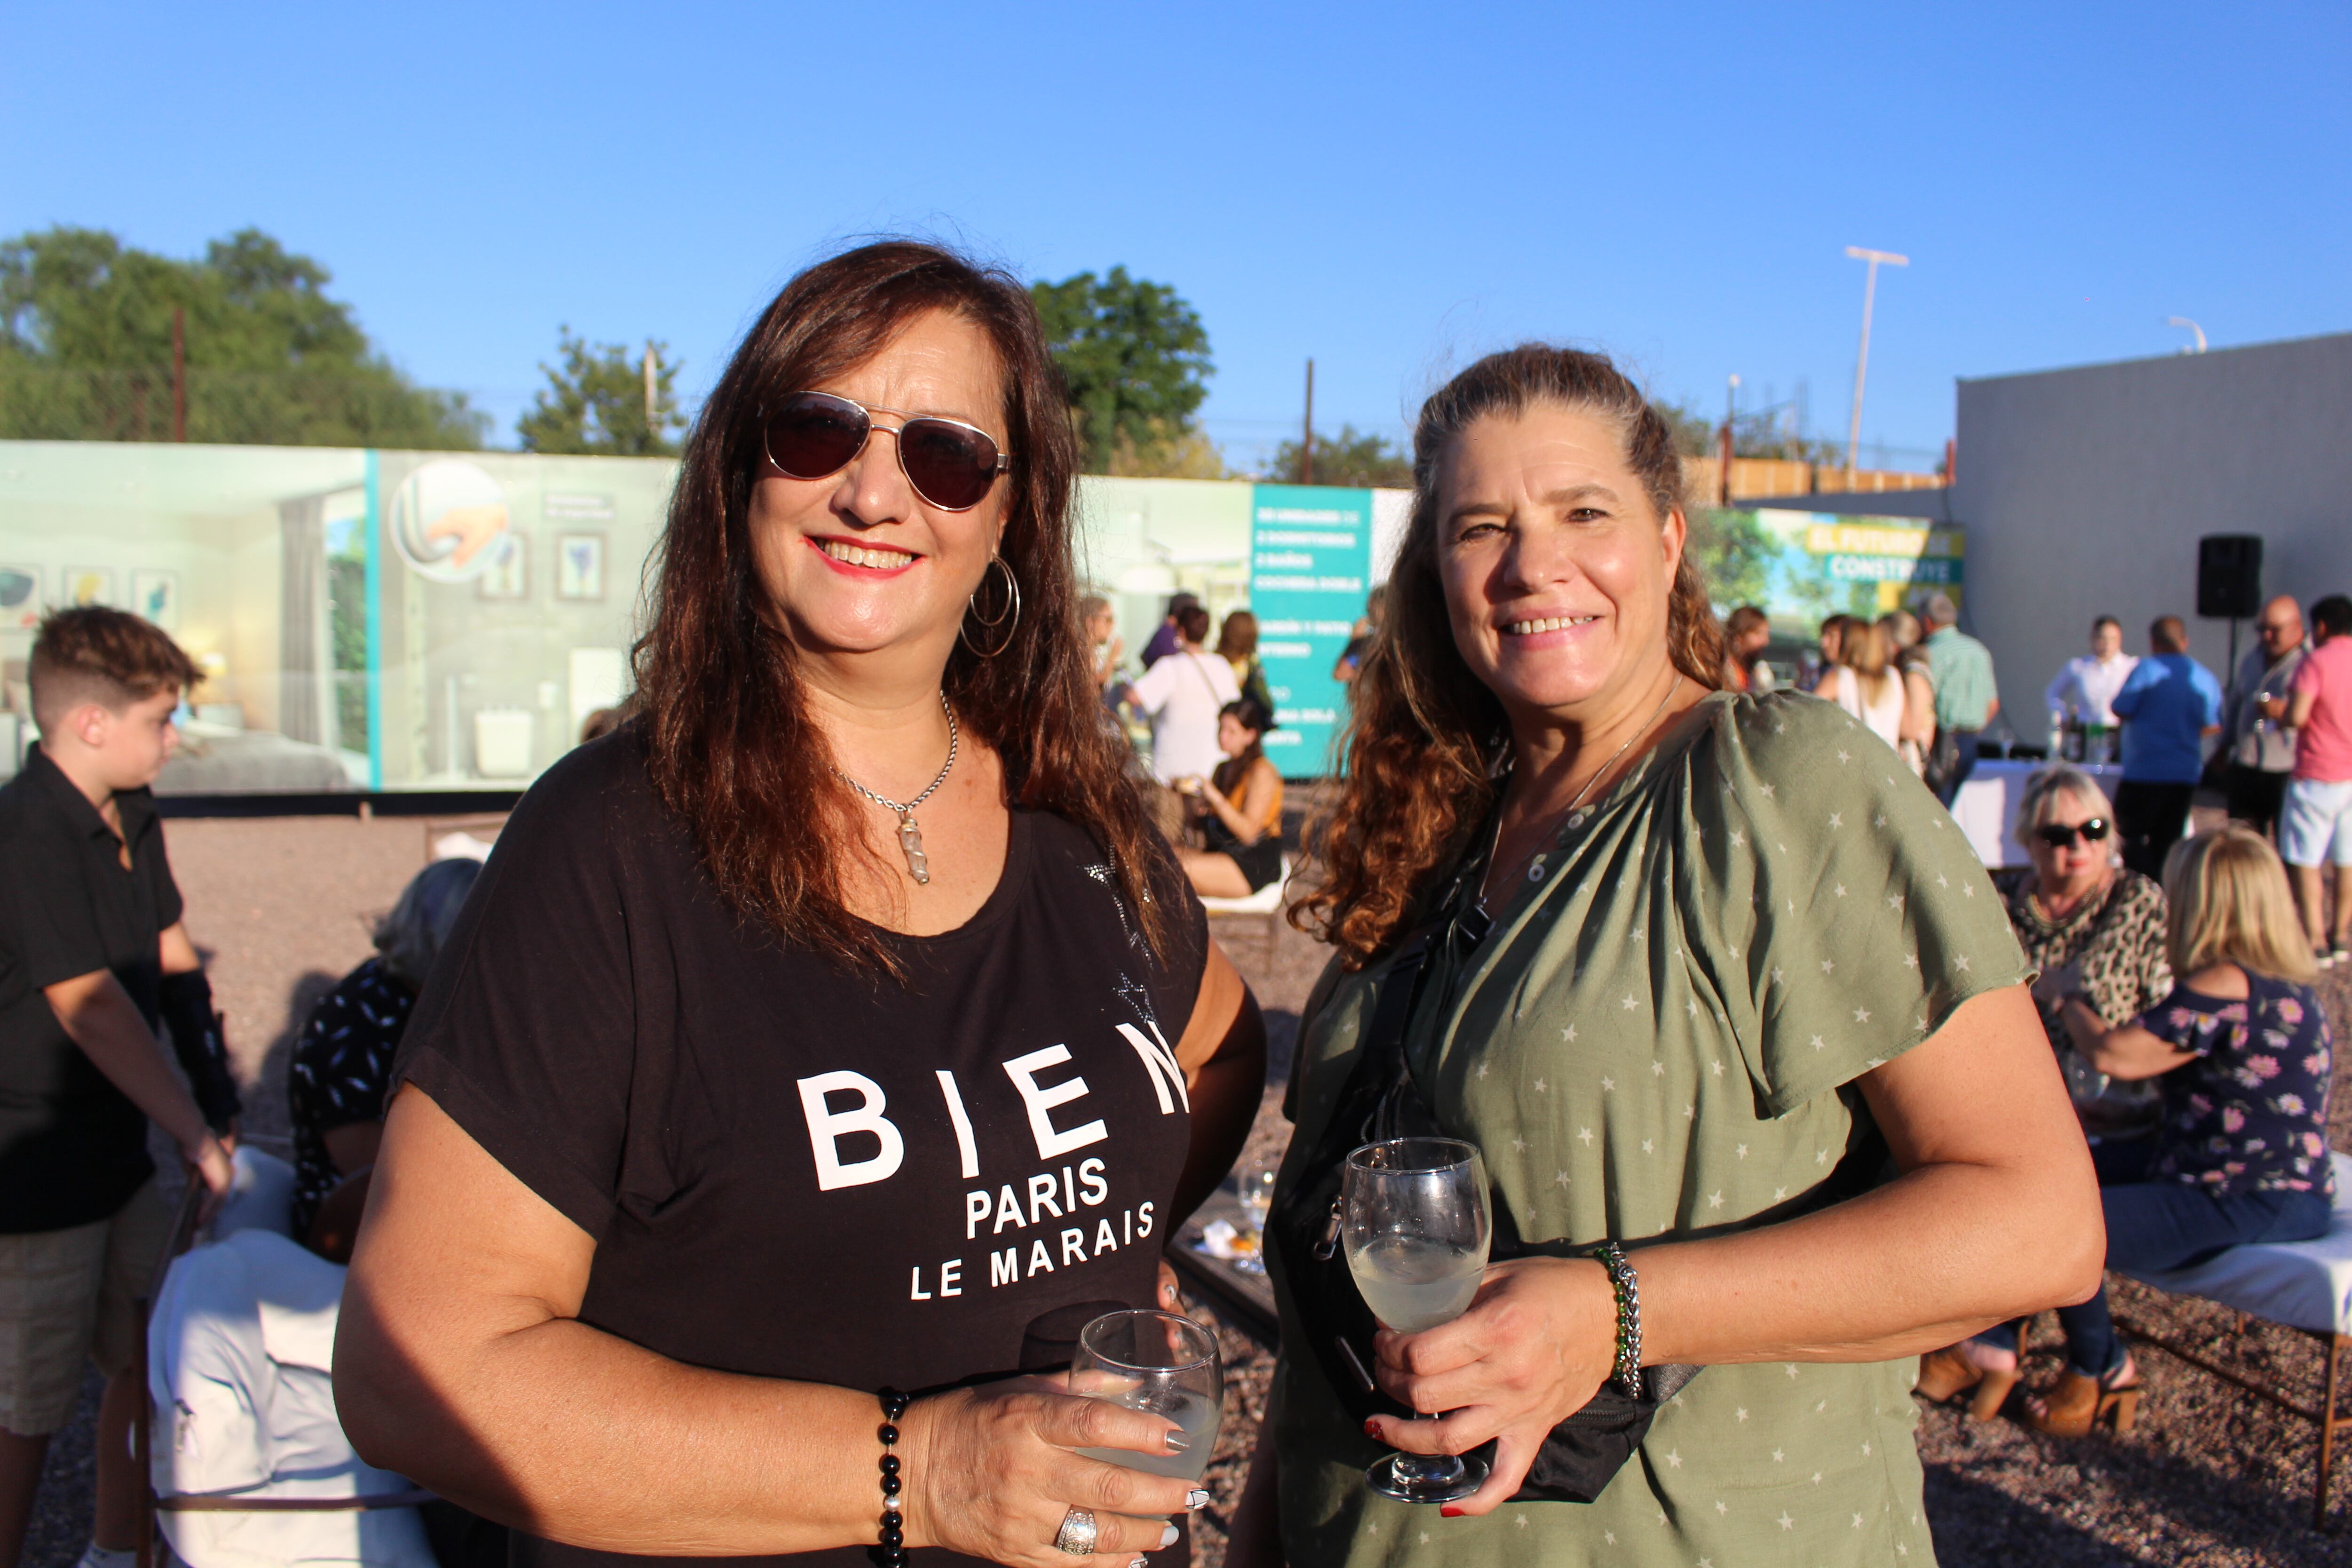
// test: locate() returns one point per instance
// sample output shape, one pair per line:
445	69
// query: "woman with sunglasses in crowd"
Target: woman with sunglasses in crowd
828	1045
2243	1056
2094	931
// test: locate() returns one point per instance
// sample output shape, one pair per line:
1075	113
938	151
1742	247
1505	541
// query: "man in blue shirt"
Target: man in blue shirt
2170	704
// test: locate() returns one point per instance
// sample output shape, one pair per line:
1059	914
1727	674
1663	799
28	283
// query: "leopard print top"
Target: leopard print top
2118	941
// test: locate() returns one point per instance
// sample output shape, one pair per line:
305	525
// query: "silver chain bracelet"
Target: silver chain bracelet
1628	1290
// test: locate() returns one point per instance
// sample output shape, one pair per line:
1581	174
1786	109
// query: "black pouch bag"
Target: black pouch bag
1379	1100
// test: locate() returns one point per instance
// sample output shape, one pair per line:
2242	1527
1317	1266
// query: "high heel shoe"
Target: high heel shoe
1948	1371
2078	1402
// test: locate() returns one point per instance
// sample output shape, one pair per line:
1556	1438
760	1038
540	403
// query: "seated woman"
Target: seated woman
2241	1052
341	1066
2094	930
1238	808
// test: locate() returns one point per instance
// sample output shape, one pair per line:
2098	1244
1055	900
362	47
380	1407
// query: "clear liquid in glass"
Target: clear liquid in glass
1413	1283
1160	1363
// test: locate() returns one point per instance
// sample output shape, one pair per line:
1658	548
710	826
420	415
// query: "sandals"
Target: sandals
1947	1373
2078	1402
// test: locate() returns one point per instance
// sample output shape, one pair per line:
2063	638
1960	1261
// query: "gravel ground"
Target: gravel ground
282	906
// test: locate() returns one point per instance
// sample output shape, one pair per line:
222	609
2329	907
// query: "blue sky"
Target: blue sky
1390	189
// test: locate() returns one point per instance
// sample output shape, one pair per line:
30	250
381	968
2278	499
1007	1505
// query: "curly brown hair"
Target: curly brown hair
1427	743
732	750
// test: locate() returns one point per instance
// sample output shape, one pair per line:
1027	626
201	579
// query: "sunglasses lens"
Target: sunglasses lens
2096	829
951	466
813	435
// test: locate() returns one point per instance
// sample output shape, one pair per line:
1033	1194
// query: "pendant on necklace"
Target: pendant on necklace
910	839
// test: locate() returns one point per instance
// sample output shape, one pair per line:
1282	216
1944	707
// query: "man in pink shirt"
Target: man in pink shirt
2315	826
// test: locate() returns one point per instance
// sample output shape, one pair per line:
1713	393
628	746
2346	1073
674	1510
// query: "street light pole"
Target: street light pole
2185	322
1862	362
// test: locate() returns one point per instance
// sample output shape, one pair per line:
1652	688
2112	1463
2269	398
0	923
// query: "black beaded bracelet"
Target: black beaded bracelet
892	1551
1628	1291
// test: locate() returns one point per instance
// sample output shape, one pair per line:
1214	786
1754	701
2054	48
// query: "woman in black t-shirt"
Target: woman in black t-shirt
839	1023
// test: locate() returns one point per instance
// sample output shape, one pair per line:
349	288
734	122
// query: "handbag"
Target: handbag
1379	1100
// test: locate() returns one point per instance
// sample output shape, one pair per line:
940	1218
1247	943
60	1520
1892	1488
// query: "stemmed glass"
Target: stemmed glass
1416	1225
1160	1363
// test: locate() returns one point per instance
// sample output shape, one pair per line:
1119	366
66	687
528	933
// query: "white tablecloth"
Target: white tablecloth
1986	806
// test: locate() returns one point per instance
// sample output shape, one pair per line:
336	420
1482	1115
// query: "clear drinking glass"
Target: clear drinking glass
1158	1362
1415	1221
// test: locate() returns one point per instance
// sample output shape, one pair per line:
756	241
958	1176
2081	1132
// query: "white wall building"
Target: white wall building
2084	491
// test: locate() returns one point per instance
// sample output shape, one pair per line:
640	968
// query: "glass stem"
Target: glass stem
1429	1470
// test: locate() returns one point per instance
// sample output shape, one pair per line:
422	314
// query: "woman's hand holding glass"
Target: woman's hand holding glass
1532	1349
992	1472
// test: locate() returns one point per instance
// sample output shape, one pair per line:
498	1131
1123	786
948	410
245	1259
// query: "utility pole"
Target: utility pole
1722	468
1307	436
653	391
179	373
1862	362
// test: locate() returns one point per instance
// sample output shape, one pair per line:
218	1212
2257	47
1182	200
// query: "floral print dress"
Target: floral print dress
2250	1114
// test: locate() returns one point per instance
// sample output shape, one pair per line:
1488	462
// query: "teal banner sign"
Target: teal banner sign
1310	562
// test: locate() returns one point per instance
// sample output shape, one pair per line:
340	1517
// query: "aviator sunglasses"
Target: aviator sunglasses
2058	834
952	465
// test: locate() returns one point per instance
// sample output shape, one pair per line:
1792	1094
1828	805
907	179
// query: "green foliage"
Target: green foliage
86	349
1134	359
1695	433
1353	459
1735	552
594	403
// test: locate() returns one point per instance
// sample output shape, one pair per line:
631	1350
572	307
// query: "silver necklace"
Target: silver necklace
910	837
1576	819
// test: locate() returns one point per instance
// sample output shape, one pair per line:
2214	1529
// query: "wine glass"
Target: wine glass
1160	1363
1416	1225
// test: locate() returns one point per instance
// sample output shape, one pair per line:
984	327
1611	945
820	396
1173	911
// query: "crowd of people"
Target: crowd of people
743	1147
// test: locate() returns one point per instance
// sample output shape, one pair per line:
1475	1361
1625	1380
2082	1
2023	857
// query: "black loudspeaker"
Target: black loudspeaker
2229	576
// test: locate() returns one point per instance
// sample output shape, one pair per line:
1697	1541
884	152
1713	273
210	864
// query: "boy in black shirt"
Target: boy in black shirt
92	955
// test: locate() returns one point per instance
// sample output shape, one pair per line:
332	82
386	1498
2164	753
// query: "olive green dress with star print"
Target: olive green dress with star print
1659	1038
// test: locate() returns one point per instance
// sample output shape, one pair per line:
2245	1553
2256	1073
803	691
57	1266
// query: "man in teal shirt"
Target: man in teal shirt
1966	697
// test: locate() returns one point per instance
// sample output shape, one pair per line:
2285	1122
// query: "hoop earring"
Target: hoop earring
1009	618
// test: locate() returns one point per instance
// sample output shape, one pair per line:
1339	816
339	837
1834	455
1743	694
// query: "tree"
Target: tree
1735	553
1359	460
86	349
1134	359
595	403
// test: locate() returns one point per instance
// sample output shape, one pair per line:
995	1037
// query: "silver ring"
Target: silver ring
1077	1535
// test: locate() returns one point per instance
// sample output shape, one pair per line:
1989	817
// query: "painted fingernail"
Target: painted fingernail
1168	1535
1197	1498
1140	1562
1449	1511
1177	1441
1372	1426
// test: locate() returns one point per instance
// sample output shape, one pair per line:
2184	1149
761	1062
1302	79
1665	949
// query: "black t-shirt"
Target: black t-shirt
794	1171
72	1147
340	1073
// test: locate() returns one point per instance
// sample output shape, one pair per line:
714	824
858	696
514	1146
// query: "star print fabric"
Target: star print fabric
340	1072
1660	1039
2250	1114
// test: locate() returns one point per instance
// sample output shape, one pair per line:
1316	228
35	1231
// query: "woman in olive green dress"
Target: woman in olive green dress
1718	942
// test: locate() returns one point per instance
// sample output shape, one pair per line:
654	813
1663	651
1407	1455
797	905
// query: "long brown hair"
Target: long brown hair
1426	739
731	748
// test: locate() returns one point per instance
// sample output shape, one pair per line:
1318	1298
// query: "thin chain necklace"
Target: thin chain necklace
910	837
1569	811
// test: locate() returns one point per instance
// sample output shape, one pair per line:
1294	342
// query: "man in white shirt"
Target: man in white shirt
2083	696
1181	695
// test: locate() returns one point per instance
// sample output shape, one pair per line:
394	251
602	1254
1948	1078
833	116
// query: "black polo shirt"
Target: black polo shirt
72	1147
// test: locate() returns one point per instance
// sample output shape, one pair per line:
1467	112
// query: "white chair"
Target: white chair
2303	1285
